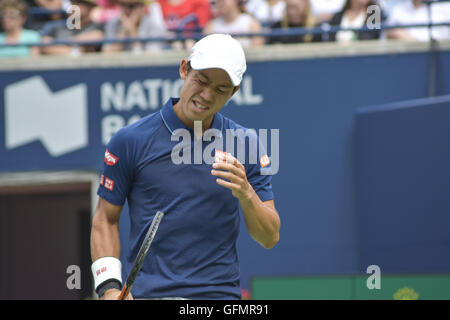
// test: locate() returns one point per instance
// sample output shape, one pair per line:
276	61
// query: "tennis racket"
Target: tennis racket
143	251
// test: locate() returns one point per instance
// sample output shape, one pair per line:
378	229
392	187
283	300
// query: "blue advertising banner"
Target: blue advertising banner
403	185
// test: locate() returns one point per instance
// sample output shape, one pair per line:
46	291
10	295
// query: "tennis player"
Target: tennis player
193	255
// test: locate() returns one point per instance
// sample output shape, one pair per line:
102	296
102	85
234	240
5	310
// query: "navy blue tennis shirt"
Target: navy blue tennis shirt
194	252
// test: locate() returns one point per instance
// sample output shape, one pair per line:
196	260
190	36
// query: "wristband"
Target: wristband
106	285
106	268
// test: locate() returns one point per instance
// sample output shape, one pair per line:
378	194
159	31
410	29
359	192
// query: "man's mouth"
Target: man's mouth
200	106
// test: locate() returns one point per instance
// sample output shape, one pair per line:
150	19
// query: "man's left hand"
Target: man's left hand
233	171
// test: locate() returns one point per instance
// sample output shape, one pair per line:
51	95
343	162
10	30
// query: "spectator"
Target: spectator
323	10
297	14
234	20
416	12
185	16
50	10
13	16
87	31
136	20
1	25
105	11
213	8
267	12
388	5
354	16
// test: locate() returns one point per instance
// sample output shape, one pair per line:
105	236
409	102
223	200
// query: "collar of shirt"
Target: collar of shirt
172	122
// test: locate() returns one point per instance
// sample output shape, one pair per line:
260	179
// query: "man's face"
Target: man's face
203	94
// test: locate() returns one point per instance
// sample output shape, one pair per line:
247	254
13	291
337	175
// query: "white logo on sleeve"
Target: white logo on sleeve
57	119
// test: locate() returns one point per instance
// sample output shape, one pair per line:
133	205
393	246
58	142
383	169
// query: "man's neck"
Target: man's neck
206	123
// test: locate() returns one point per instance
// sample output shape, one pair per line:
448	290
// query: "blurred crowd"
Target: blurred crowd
172	24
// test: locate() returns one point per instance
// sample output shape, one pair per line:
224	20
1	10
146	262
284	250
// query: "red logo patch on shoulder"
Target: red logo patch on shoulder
109	184
110	159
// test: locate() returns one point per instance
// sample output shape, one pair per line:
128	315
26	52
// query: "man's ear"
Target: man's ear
183	69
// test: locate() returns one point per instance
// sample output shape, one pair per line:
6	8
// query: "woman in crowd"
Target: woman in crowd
13	15
298	14
234	20
354	15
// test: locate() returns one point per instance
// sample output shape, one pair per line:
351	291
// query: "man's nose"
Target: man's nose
207	95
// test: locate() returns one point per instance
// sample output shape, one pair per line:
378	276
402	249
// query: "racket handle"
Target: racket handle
124	293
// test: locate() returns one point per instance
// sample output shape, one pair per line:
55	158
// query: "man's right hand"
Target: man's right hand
113	294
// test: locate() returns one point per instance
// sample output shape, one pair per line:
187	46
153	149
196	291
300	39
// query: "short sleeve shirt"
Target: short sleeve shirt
194	252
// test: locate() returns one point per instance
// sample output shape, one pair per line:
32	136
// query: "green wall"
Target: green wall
435	287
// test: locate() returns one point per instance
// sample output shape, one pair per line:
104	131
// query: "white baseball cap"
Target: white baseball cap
219	51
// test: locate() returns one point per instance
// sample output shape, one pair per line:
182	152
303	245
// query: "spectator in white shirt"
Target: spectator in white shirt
234	20
267	12
416	12
389	5
323	10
